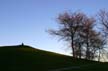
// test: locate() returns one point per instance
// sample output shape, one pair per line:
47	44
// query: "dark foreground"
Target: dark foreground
26	58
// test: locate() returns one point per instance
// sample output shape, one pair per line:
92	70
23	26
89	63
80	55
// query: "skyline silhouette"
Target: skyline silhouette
26	20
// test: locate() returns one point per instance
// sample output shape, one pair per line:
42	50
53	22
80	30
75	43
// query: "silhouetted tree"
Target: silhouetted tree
87	32
72	26
69	24
78	30
103	22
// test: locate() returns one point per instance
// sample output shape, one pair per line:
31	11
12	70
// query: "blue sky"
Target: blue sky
26	20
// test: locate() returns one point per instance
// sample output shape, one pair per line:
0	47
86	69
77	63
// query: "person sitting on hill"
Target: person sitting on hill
22	44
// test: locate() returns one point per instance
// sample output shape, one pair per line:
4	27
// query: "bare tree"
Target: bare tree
103	20
88	32
69	25
78	30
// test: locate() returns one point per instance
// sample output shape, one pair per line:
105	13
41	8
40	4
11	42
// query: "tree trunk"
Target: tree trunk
87	48
80	54
72	46
73	49
99	55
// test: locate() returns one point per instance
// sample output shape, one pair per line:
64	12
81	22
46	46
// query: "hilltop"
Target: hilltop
27	58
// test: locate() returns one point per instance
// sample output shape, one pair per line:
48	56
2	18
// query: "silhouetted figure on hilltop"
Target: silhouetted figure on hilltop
22	44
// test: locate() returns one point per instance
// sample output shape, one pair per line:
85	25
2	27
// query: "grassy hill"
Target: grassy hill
26	58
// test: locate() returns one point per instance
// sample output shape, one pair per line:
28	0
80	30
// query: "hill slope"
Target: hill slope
26	58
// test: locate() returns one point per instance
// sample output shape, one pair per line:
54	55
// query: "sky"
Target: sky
27	21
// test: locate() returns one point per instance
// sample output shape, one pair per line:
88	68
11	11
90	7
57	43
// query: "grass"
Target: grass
26	58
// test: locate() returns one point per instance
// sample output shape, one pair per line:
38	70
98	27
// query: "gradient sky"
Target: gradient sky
26	20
